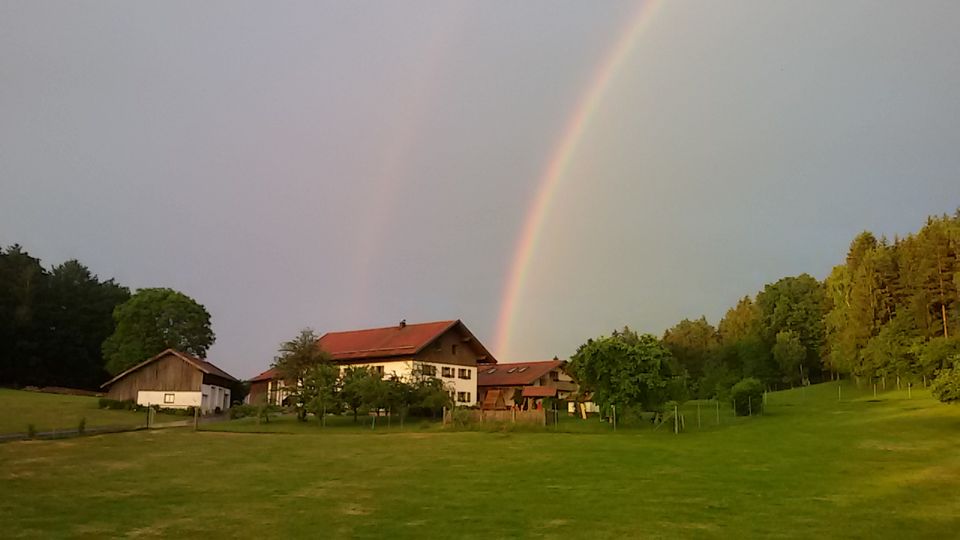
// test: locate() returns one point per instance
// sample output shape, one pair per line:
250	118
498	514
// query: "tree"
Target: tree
946	387
691	343
354	384
747	396
789	354
623	369
22	292
797	304
302	359
154	320
321	385
79	315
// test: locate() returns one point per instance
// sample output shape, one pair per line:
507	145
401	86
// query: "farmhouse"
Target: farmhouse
446	350
523	383
173	379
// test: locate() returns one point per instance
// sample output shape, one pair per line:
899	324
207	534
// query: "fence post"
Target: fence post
749	405
909	390
718	411
196	418
676	419
614	407
698	414
839	390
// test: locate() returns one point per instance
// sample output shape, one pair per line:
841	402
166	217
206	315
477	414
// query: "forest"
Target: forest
887	315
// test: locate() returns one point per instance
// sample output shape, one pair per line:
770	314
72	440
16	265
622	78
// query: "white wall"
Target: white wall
181	400
404	370
213	397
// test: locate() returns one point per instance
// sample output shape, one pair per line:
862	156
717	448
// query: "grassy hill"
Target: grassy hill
812	466
47	412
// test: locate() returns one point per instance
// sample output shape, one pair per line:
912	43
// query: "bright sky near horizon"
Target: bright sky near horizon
343	165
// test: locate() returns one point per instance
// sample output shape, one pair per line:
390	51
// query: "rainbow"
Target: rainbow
556	167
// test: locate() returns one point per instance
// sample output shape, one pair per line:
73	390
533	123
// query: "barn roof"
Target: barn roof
392	341
515	374
268	375
202	365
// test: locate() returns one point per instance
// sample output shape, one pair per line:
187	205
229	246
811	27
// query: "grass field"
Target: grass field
47	412
810	467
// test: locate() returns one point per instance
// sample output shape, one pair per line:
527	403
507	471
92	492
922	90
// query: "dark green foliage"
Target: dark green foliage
624	369
53	323
311	377
82	426
747	396
691	343
154	320
946	387
31	431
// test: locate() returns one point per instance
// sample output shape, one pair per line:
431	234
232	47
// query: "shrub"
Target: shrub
747	396
82	426
31	431
946	386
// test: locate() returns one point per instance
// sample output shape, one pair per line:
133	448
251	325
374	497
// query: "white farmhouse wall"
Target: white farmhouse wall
404	370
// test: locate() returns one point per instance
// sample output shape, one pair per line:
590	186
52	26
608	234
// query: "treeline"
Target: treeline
888	314
67	327
53	322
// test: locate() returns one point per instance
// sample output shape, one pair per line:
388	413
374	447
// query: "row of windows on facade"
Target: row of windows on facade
462	397
446	371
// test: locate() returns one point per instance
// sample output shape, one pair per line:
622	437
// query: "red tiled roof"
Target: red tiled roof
267	375
539	391
514	374
391	341
198	363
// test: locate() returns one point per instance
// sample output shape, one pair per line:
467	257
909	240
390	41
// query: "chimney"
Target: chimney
403	323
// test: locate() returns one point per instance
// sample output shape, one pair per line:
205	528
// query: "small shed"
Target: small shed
176	380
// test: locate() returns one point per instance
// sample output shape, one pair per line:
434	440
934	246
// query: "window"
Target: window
463	397
463	373
521	369
428	370
453	349
491	371
168	398
512	370
448	372
554	376
378	370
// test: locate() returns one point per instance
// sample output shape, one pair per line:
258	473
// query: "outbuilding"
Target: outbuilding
176	380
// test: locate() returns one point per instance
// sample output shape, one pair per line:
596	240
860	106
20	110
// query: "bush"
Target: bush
82	426
31	431
747	396
946	386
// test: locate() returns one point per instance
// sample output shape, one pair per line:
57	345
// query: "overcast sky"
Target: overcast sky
341	165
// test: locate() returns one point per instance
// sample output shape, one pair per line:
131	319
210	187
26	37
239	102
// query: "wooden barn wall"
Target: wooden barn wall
441	351
168	373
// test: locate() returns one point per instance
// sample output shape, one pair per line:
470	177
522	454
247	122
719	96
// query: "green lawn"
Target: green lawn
47	412
811	467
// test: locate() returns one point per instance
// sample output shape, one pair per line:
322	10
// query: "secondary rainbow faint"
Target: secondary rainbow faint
557	165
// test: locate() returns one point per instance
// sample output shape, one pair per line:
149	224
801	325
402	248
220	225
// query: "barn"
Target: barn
176	380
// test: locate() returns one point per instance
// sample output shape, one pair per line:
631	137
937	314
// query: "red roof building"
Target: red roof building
446	350
523	384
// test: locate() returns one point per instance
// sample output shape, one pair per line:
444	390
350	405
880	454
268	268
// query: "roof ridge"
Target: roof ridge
407	325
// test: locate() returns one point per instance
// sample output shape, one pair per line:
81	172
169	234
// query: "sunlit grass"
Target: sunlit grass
48	412
811	467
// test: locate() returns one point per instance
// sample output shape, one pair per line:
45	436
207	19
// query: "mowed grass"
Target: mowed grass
48	412
810	467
